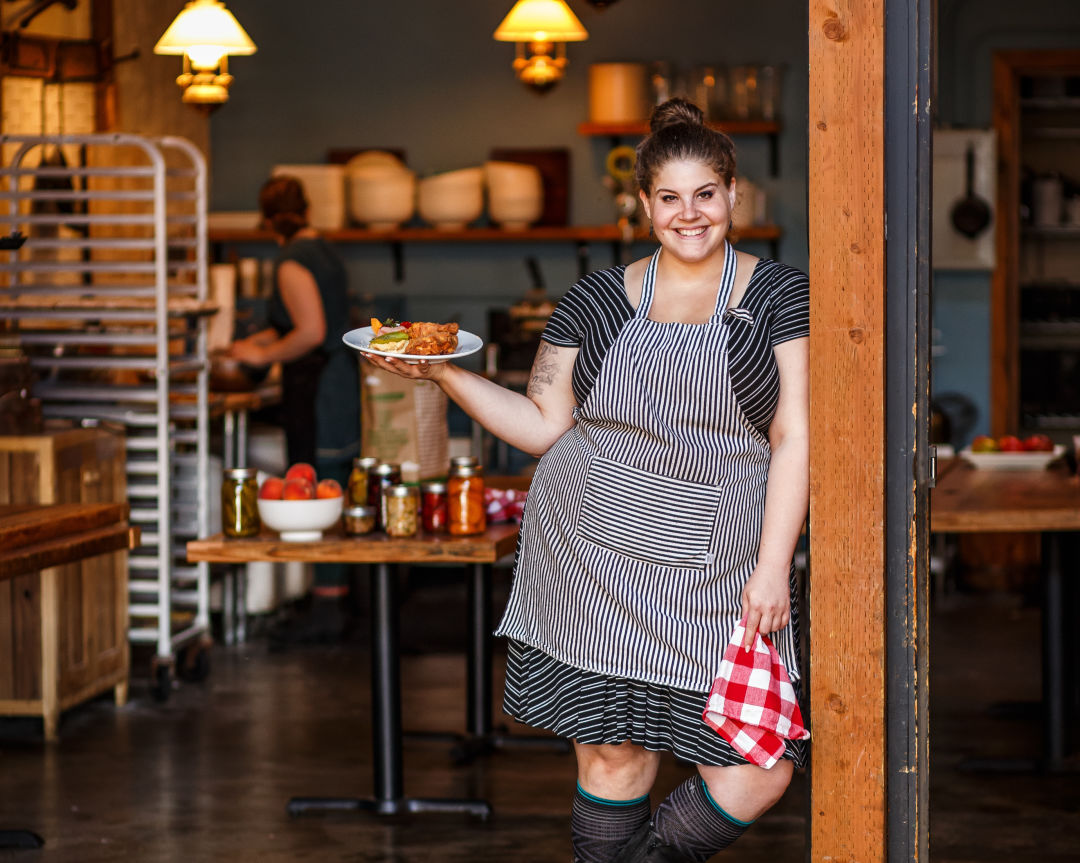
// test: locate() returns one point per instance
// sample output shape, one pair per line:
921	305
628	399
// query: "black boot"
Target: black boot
646	847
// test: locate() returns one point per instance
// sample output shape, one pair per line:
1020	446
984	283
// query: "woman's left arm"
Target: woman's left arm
300	294
766	599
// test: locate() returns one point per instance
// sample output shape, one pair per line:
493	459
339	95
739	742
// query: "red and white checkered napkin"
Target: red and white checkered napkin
752	703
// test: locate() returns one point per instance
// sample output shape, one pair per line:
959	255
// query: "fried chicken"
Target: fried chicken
431	339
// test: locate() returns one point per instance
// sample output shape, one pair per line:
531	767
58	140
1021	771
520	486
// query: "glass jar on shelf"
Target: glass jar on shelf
465	508
239	503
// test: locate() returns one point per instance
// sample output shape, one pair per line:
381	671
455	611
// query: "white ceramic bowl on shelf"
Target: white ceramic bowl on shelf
451	200
382	197
515	194
301	520
324	186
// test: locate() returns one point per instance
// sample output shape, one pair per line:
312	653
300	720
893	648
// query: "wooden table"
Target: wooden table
971	500
34	537
479	552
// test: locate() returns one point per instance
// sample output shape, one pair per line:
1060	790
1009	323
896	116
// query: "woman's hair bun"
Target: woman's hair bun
675	112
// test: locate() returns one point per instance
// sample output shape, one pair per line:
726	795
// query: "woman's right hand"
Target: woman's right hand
418	371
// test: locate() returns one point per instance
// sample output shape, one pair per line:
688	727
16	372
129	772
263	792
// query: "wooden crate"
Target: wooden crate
63	631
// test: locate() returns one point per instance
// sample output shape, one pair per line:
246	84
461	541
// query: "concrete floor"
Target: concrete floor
205	776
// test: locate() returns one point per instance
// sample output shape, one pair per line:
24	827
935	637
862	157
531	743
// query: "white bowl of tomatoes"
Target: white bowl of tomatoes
300	506
1010	452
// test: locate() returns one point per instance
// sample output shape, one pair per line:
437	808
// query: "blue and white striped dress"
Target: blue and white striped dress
642	522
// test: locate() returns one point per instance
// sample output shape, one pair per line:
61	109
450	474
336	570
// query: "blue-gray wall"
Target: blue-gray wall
426	77
968	34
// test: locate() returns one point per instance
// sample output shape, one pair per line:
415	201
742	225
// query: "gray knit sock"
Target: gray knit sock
690	821
600	828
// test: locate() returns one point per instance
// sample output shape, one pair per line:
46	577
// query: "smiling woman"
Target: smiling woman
678	382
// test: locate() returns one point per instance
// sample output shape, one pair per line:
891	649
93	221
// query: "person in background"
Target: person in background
308	312
669	406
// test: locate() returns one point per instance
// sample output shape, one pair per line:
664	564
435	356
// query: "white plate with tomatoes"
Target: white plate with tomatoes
1011	453
360	340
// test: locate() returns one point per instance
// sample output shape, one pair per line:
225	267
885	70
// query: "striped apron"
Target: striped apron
642	521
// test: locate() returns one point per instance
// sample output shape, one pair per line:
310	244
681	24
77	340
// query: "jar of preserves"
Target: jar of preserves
401	510
358	480
239	503
359	520
433	506
465	509
381	476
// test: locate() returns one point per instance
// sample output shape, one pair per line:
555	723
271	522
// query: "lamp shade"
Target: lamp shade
541	21
205	29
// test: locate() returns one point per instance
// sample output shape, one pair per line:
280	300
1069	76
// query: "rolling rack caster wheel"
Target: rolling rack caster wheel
194	662
161	681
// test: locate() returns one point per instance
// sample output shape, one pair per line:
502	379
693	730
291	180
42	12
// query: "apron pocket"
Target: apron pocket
648	516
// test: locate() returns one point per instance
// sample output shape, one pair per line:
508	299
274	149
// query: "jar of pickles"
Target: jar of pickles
433	506
381	476
239	503
401	510
358	480
465	509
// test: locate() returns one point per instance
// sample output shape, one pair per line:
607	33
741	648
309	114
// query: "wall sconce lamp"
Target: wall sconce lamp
205	33
546	26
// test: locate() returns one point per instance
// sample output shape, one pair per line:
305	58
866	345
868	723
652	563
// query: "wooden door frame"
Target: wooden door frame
869	142
1008	68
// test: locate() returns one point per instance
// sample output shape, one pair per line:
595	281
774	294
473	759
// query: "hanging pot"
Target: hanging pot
971	214
54	158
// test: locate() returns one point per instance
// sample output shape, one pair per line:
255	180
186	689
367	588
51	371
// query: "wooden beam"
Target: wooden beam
847	392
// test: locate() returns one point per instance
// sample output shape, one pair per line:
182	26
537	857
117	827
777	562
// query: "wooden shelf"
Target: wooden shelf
731	127
553	234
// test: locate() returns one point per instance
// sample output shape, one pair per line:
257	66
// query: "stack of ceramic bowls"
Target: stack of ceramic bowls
324	186
515	194
451	200
382	191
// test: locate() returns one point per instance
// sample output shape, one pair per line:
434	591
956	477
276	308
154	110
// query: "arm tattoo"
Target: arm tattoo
543	370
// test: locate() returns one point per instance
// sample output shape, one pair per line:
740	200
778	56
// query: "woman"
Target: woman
308	313
669	404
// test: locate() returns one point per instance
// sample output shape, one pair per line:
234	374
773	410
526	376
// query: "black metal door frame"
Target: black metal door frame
908	461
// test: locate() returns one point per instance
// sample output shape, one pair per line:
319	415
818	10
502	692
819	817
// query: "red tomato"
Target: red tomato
1038	443
1010	443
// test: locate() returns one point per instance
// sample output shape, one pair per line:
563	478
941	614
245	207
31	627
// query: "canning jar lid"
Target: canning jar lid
386	467
463	460
240	473
399	490
365	461
433	487
360	511
467	470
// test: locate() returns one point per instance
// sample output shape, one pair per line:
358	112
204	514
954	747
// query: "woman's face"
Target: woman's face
690	208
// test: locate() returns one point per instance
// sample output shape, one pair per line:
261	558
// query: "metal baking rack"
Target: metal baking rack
108	297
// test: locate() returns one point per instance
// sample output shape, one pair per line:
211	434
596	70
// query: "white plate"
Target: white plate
467	344
1012	460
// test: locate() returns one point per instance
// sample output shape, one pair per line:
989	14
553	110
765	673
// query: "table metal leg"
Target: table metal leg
386	722
228	605
1053	708
1053	638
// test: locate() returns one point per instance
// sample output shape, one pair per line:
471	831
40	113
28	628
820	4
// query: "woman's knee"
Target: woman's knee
616	771
747	791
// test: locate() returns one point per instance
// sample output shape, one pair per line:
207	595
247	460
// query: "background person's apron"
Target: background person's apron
642	522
